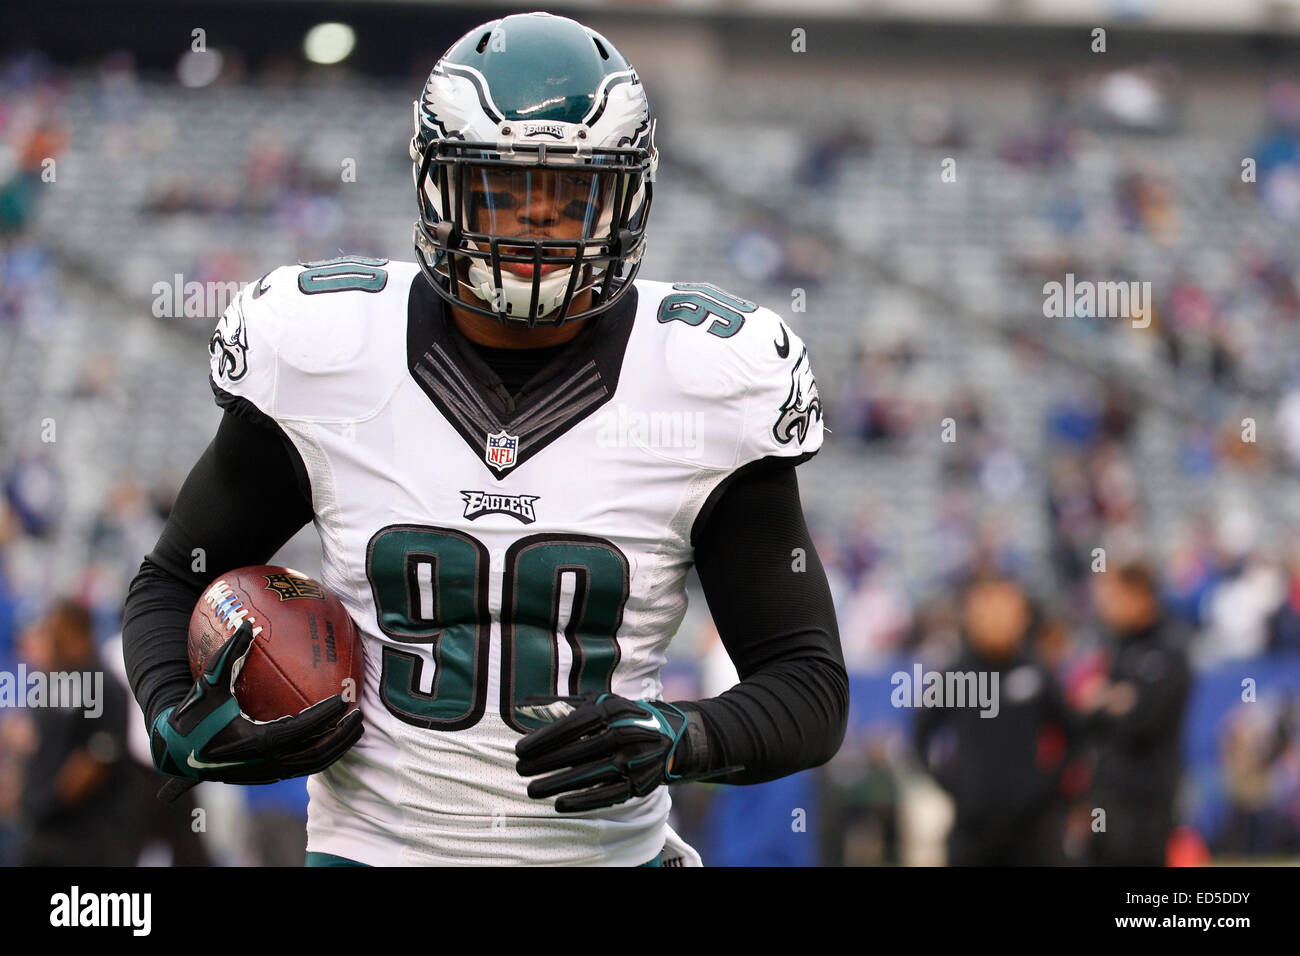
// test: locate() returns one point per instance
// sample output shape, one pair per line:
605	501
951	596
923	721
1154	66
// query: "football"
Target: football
306	647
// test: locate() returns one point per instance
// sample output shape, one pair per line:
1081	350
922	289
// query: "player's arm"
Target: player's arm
776	619
771	602
245	497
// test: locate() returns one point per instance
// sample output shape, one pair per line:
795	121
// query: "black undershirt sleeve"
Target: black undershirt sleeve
245	497
777	622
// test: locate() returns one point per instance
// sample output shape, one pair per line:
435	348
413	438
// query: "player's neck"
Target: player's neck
482	330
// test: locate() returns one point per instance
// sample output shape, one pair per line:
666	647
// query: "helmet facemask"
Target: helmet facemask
519	231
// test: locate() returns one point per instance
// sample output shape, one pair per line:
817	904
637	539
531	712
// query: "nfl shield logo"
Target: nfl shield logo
501	450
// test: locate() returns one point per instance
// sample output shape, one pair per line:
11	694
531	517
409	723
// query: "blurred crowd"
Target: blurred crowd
1225	582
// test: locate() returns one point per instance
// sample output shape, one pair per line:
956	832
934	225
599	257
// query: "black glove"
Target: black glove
605	749
208	737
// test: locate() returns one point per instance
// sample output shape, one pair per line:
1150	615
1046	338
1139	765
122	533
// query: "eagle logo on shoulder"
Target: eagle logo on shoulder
229	344
801	406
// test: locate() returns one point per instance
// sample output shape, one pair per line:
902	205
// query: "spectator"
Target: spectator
72	806
1136	713
1002	771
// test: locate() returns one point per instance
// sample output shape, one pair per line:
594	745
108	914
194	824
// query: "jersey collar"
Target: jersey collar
470	396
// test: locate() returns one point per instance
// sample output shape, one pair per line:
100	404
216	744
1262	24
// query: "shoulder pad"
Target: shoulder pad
312	341
746	363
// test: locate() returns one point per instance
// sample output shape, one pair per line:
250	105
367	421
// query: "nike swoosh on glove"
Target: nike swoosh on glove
208	737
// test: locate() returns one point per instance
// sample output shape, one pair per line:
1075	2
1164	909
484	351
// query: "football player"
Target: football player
513	451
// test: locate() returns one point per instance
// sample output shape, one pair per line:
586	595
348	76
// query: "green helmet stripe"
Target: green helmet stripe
538	68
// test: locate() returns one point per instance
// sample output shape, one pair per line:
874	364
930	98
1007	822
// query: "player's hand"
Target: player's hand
599	751
207	737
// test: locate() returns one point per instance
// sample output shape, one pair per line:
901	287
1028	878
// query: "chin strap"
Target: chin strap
517	293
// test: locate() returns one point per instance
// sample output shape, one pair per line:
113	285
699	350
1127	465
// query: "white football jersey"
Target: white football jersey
489	552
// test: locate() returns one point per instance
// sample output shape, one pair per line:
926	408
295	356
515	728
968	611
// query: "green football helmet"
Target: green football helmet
534	163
